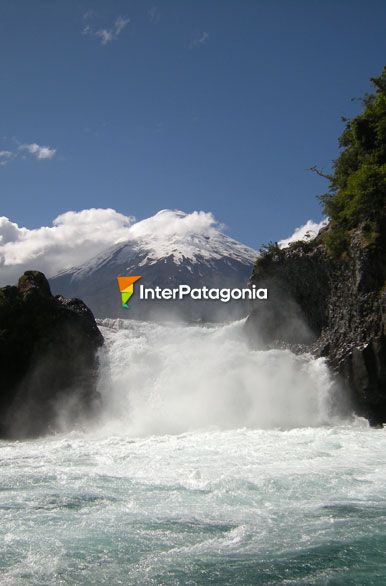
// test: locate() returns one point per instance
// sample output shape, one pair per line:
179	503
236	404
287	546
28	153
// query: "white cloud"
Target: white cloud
9	231
173	222
120	24
5	157
185	235
38	151
107	35
71	240
199	40
307	232
75	237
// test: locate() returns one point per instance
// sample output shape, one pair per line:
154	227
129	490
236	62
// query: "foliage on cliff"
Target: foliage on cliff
357	194
332	288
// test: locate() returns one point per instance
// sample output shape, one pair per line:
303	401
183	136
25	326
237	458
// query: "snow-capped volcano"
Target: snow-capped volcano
168	249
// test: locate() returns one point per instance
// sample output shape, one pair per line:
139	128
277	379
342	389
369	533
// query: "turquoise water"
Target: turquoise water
211	464
305	506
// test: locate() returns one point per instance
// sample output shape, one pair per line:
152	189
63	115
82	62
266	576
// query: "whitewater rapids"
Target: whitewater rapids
161	379
211	464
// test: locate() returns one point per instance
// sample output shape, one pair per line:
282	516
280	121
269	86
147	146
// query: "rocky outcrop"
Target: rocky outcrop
48	359
332	307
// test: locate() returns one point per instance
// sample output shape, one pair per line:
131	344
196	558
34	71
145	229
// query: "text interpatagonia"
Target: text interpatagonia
185	291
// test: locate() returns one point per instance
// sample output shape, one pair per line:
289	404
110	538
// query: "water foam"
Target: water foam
160	379
213	504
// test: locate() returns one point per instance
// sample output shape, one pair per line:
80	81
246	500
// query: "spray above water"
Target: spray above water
161	379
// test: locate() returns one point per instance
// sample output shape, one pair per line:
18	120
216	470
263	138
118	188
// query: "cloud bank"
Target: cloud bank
75	237
307	232
172	222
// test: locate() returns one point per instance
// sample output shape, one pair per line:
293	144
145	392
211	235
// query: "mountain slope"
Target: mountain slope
168	249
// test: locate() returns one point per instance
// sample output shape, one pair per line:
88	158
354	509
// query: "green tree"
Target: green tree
357	193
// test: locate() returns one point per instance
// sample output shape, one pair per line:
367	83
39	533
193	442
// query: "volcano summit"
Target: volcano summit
169	249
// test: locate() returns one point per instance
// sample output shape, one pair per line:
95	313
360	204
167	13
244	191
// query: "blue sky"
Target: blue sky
216	105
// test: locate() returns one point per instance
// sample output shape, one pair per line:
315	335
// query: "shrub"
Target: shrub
357	193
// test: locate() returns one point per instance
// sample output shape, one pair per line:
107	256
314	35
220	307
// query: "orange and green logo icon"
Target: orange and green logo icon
126	287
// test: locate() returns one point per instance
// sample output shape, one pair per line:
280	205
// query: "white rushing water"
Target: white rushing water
211	464
177	378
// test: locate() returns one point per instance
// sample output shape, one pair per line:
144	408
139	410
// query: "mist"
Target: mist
176	378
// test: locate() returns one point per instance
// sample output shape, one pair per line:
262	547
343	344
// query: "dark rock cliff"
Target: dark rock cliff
332	307
48	358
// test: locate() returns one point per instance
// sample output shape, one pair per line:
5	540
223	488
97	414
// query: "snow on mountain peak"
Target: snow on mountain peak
181	237
186	237
168	249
